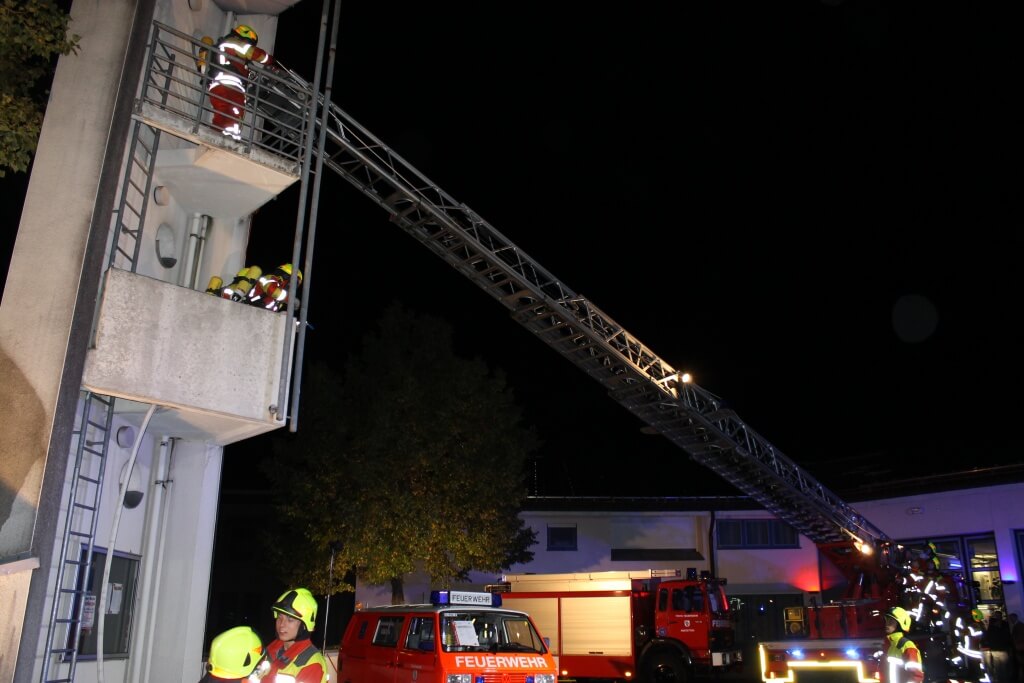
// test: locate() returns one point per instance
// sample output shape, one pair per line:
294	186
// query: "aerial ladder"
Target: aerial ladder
664	397
291	113
878	572
694	419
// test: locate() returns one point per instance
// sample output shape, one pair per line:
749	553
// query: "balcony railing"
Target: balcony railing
176	89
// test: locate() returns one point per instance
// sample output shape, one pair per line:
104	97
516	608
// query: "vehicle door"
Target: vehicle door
417	658
683	612
382	658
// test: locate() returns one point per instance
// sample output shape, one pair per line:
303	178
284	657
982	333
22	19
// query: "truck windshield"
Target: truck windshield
474	631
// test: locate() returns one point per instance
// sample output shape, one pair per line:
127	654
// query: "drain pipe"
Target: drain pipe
101	611
712	549
198	225
154	516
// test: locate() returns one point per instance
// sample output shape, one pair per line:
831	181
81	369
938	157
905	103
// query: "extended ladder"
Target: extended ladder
694	419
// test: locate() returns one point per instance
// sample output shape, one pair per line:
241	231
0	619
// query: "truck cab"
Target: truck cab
696	612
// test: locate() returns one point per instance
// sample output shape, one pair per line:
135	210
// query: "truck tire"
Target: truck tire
664	666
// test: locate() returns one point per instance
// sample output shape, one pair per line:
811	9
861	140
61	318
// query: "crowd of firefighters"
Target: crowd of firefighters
252	286
988	653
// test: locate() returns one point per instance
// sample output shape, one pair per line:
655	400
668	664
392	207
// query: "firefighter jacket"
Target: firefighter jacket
270	292
903	662
232	62
300	663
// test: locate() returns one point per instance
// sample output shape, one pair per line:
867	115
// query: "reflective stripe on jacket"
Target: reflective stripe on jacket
300	663
903	660
232	69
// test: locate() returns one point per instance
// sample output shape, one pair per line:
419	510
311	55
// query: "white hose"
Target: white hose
102	609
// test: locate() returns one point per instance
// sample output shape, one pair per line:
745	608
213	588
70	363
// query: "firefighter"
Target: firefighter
242	284
230	76
271	291
903	663
292	656
235	655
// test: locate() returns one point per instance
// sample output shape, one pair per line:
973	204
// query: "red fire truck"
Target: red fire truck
619	625
877	571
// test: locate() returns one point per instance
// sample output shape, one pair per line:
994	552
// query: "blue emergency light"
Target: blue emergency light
467	598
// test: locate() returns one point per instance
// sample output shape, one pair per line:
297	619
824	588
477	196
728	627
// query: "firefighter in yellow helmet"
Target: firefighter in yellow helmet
230	74
235	655
271	290
292	654
902	658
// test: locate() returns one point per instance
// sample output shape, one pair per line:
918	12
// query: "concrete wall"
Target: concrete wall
48	297
45	320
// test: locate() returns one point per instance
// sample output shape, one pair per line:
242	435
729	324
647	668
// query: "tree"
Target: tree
411	459
34	32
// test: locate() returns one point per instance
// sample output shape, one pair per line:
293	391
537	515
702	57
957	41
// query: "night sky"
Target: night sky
807	205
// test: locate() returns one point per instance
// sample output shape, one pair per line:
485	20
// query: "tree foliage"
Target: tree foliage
34	32
412	458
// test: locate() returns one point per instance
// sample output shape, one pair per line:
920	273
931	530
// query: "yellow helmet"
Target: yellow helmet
901	617
235	653
246	32
297	603
287	269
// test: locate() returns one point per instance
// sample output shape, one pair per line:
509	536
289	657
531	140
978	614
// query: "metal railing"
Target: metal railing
176	88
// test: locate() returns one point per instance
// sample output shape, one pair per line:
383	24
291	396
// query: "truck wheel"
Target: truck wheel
664	667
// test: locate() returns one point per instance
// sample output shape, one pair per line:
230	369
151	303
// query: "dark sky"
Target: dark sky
807	205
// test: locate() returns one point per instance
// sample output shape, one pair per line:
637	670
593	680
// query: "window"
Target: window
387	631
755	533
421	634
562	537
976	556
119	604
689	599
985	569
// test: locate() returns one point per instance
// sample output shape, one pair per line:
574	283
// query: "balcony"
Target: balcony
213	365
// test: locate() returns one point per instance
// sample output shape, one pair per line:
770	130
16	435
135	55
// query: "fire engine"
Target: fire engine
878	572
840	636
620	625
836	636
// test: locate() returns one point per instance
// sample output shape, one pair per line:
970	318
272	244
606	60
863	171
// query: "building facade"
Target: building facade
123	375
768	565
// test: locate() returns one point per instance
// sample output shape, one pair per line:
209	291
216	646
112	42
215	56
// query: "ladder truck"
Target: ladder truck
834	636
839	636
844	636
